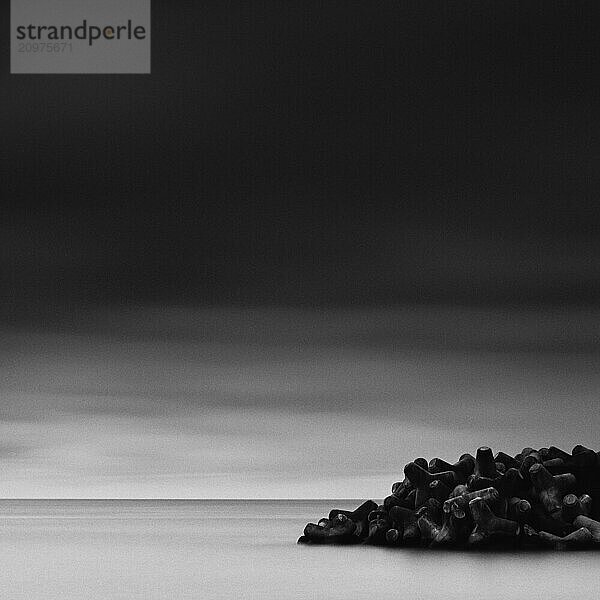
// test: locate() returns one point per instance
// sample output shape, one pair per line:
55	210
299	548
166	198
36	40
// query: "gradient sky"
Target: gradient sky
319	240
244	403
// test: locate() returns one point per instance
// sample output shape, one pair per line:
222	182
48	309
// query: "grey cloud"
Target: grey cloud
92	412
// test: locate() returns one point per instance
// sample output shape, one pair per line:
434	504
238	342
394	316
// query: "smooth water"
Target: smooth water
74	549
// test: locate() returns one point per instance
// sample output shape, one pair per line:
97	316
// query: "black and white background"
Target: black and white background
319	239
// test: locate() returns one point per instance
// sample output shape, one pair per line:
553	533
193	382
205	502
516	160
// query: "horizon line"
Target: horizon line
185	499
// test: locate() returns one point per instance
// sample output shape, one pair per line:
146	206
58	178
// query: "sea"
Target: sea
231	549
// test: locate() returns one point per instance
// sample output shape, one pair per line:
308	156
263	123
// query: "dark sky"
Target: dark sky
364	169
313	153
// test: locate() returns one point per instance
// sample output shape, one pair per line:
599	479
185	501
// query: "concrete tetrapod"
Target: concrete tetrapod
545	498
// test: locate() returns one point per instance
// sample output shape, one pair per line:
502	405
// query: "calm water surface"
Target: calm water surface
247	549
